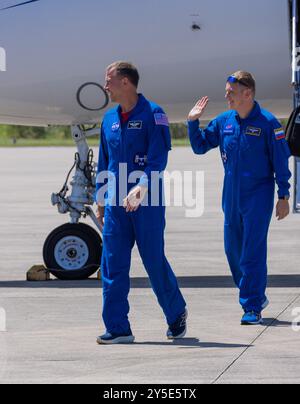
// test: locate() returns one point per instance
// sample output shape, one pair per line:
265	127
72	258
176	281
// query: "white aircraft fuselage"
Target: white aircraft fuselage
183	49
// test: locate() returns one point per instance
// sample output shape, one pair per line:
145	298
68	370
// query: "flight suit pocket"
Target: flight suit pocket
113	142
136	139
112	224
230	143
113	139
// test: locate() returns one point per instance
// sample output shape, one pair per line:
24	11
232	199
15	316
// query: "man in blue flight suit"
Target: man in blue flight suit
255	154
135	142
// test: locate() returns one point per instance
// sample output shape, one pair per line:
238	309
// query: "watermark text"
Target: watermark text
170	189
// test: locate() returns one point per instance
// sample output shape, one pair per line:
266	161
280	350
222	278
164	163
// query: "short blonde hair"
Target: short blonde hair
245	79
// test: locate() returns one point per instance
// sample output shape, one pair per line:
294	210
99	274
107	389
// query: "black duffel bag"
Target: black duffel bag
293	132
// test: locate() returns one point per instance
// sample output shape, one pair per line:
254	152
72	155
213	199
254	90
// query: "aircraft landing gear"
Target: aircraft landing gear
73	251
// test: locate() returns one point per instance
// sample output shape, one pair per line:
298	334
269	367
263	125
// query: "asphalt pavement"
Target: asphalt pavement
48	330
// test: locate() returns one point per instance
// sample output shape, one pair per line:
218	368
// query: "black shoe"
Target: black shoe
178	329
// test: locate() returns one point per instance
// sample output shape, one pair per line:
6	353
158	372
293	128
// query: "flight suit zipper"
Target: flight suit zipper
235	196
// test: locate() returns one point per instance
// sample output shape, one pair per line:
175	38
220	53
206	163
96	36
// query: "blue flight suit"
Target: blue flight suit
255	154
142	144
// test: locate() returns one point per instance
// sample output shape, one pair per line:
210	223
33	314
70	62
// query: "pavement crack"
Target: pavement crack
255	340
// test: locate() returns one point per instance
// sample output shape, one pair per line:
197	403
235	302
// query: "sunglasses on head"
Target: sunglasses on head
232	79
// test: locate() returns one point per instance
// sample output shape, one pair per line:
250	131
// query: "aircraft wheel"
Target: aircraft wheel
73	251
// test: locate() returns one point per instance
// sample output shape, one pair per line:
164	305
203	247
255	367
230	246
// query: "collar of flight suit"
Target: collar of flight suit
253	114
137	109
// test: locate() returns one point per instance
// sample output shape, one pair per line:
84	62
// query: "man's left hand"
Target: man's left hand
282	209
134	199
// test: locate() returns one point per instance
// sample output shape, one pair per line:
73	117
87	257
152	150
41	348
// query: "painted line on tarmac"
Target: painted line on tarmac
255	340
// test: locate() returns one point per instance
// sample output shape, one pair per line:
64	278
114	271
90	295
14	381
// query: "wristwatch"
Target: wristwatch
284	198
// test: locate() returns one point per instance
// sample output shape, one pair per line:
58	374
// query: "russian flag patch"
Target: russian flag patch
279	134
161	119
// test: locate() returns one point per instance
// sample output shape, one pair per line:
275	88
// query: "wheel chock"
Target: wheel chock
38	273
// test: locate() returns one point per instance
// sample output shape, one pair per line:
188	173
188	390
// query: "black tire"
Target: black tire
80	259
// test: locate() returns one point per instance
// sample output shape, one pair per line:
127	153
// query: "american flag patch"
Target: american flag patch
279	134
161	119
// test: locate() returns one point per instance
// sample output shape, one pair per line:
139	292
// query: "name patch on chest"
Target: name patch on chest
253	131
135	125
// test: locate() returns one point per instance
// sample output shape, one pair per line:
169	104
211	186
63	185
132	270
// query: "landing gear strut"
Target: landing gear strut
73	251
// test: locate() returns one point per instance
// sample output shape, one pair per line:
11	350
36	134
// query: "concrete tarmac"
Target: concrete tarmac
50	331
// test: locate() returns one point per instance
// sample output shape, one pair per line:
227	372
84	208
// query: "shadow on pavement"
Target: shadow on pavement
194	343
188	282
273	322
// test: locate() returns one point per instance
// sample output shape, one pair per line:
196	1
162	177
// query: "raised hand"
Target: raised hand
198	109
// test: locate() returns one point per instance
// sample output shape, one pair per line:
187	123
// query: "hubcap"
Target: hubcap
71	253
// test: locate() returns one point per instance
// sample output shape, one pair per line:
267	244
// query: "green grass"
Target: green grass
6	142
61	136
180	142
57	142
